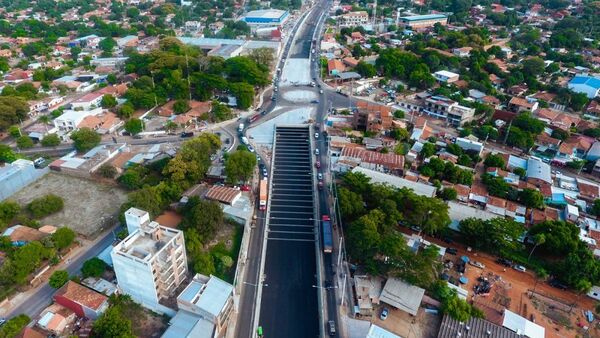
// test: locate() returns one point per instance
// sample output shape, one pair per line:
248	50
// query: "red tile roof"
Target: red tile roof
82	295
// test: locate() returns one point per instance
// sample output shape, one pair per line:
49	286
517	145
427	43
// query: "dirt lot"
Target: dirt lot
549	307
423	325
88	205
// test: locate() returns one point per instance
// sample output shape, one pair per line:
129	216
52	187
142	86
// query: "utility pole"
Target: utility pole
188	76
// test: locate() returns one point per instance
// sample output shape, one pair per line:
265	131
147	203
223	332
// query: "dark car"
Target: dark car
264	112
187	134
557	284
451	251
505	262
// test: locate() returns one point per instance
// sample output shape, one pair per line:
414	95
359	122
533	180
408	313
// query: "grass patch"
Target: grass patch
225	259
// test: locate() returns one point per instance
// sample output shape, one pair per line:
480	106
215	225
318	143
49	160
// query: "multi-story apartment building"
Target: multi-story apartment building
151	262
351	19
449	110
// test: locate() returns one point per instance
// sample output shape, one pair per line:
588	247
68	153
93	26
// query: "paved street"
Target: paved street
290	265
41	297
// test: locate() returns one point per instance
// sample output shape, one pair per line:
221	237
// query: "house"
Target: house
469	144
587	85
20	235
479	193
368	289
496	205
538	172
205	306
402	296
87	101
335	67
421	131
70	119
81	300
352	157
462	52
372	117
444	76
474	327
519	105
224	195
593	108
55	319
522	326
444	108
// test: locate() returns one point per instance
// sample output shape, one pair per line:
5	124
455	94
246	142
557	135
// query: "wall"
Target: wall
20	179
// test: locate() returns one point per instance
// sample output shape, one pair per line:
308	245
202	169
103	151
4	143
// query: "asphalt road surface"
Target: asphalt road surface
289	297
42	297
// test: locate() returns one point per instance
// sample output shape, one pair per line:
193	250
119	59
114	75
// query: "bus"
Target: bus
327	234
263	195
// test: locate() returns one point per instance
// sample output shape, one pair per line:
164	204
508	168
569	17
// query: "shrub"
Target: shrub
46	205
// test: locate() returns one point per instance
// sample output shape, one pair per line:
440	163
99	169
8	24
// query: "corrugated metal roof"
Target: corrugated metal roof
475	328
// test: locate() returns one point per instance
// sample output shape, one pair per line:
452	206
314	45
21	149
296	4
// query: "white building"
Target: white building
88	101
588	85
351	19
449	110
445	76
151	262
17	175
70	119
205	307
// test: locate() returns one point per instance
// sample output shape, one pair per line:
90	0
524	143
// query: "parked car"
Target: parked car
557	284
384	313
251	149
505	262
314	101
320	185
318	164
320	176
187	134
477	264
520	268
316	135
245	187
39	162
451	251
316	151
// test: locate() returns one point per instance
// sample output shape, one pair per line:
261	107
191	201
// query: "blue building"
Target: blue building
588	85
266	17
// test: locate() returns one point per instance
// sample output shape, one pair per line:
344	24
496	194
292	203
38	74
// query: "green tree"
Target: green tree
428	150
262	56
93	267
85	139
7	154
399	134
560	237
493	235
531	198
351	203
112	323
363	236
58	279
134	126
107	45
494	160
239	166
108	101
203	216
45	205
63	237
8	211
220	112
14	131
14	326
448	194
595	210
126	110
244	94
133	177
181	106
25	142
107	171
533	66
51	140
366	70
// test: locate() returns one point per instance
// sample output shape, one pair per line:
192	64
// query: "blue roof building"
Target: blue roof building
587	85
266	17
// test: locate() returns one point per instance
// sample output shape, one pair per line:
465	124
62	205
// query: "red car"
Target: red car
320	185
318	164
245	188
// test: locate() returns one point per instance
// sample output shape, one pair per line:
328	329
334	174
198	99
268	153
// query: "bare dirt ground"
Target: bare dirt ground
89	206
549	307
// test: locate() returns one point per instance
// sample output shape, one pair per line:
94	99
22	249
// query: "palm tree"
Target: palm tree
538	240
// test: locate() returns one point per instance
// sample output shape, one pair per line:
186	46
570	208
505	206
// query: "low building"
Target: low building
538	172
469	144
372	117
205	307
519	105
379	332
402	296
474	327
443	108
445	76
416	22
368	289
352	157
352	19
55	319
522	326
81	300
17	175
112	62
88	101
224	195
397	182
20	235
70	119
588	85
266	17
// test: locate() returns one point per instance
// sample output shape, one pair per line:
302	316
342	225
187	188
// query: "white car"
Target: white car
520	268
477	264
316	151
316	135
320	176
251	149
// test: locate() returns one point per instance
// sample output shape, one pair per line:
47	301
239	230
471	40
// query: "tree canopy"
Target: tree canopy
239	166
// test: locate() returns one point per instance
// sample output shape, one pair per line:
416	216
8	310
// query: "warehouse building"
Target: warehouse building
266	17
416	22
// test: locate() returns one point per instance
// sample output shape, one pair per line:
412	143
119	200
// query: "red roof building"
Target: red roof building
81	300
